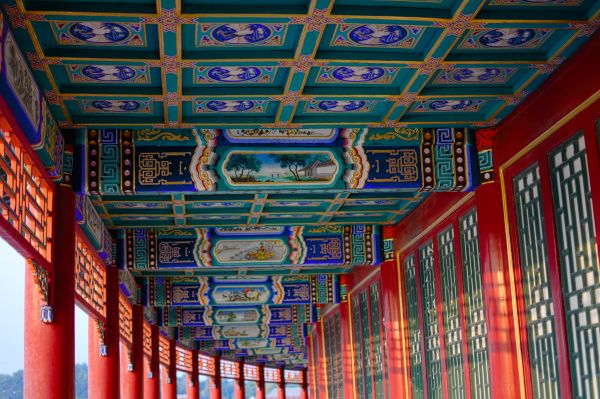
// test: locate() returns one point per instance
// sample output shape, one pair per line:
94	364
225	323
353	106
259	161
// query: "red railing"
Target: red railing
272	374
183	359
90	276
293	376
164	350
230	369
206	365
251	372
147	337
125	319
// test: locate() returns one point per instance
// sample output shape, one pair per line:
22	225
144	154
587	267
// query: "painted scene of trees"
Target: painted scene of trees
281	167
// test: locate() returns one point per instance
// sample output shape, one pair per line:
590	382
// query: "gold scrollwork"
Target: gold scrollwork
43	281
325	229
153	134
398	133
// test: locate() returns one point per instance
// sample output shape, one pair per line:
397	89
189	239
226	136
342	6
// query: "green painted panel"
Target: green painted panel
358	347
578	255
414	331
432	334
367	339
537	293
376	334
451	314
479	363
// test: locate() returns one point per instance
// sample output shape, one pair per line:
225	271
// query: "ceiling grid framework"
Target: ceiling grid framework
187	63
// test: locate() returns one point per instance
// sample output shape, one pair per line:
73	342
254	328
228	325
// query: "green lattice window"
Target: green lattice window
451	315
537	293
376	334
578	256
364	320
430	321
479	365
338	355
414	330
358	347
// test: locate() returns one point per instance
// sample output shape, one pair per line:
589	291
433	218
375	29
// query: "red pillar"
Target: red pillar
304	386
152	370
132	379
345	329
395	329
169	383
49	348
193	386
281	386
103	369
504	369
239	389
260	384
215	381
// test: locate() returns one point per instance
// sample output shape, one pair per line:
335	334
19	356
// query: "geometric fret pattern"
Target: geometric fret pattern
537	292
578	255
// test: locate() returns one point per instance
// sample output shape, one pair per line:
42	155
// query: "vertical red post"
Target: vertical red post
504	370
304	386
215	381
49	348
281	385
132	379
169	384
152	370
260	384
193	386
239	389
103	369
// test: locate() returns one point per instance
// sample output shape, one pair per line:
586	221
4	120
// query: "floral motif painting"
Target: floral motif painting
250	251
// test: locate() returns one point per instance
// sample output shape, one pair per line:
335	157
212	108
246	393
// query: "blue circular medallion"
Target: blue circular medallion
99	32
230	106
506	37
233	74
358	73
449	105
108	72
476	74
378	35
116	106
341	106
241	33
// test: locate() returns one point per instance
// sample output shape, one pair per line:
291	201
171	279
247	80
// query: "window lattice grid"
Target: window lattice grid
364	321
164	350
147	337
183	359
125	319
358	347
251	372
230	369
479	364
272	374
293	376
451	314
432	333
90	275
537	294
578	256
414	330
25	196
376	334
206	365
338	355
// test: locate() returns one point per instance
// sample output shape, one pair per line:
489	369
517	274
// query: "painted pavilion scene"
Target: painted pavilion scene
299	199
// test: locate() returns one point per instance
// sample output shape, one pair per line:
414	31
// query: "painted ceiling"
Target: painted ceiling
236	157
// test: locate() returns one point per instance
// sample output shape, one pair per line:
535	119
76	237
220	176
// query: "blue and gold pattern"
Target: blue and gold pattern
241	34
376	35
98	33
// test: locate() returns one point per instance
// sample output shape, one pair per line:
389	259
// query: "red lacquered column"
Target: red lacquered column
104	364
49	348
304	385
239	389
193	387
152	370
345	329
215	382
132	379
169	382
260	384
504	374
281	385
